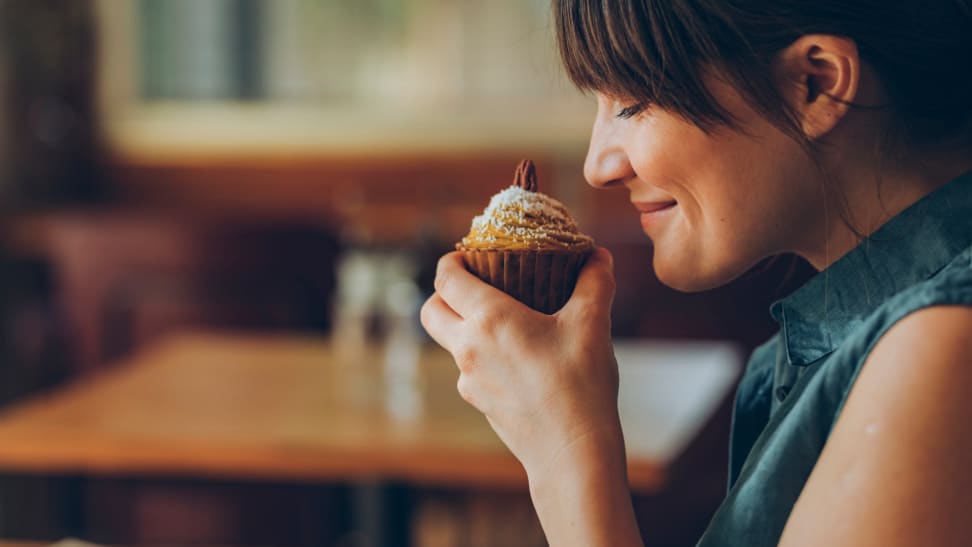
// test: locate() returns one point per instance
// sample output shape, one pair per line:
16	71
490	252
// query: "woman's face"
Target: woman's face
713	204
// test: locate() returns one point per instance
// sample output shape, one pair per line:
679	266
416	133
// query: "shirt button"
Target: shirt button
782	392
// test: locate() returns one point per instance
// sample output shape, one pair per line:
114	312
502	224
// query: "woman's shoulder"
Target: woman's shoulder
954	281
951	286
902	435
927	324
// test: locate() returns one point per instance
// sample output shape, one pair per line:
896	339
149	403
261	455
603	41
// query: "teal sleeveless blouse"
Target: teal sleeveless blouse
796	383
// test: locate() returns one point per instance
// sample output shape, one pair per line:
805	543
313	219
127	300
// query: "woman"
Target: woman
838	130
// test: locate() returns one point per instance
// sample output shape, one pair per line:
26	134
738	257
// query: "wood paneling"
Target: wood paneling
388	199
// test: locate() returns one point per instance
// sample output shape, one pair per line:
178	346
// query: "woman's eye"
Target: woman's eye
631	111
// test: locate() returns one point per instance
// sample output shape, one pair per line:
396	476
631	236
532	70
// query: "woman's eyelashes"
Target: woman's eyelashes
631	111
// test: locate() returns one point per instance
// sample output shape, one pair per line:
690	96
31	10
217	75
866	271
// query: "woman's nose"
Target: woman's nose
607	162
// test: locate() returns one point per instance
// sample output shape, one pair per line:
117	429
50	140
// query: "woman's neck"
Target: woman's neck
873	195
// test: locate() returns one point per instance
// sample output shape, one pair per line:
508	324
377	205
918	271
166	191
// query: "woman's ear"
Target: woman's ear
819	76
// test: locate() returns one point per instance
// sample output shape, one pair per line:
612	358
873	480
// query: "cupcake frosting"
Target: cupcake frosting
520	218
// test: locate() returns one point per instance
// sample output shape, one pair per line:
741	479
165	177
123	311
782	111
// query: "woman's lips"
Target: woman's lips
651	212
655	206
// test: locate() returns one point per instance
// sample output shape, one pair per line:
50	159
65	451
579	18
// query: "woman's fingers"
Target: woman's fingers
441	322
464	292
532	375
594	291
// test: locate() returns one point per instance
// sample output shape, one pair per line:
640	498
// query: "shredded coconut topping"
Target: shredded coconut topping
517	217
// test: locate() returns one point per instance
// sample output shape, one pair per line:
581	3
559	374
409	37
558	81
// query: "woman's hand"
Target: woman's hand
548	384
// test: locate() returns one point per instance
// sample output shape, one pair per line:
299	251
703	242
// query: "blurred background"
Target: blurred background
293	168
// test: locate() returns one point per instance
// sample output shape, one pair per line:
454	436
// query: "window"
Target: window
334	75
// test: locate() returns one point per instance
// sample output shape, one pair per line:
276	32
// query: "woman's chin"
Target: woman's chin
685	277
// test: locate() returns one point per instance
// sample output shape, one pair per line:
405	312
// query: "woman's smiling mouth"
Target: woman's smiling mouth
653	211
654	206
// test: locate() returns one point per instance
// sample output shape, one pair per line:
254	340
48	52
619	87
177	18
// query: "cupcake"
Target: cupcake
526	244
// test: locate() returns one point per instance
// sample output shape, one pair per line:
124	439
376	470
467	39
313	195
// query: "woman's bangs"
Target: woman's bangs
598	53
641	51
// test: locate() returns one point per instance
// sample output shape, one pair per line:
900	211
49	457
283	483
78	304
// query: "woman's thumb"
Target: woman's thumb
594	291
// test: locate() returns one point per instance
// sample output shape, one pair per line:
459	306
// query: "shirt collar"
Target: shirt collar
909	248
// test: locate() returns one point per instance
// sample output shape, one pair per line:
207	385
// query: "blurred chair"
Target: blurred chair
31	343
122	279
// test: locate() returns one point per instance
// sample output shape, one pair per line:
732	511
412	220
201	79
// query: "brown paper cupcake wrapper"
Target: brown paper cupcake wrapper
543	280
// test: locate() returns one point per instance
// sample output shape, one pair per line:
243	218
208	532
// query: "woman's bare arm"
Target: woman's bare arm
583	498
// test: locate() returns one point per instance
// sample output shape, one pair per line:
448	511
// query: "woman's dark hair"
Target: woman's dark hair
658	52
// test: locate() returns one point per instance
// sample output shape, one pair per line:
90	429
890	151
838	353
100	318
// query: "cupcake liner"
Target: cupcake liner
543	280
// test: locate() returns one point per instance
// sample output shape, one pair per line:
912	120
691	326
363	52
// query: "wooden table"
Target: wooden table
247	407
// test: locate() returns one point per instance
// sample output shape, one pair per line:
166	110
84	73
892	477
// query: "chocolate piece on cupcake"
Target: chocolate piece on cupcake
526	244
